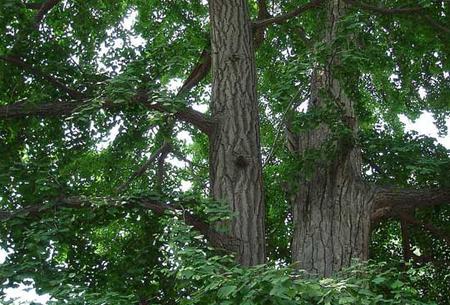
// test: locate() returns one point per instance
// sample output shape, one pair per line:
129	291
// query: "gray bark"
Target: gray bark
331	208
235	160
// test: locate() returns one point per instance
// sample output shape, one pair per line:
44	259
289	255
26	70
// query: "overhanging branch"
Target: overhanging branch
16	61
285	17
61	109
44	9
164	149
417	11
385	10
216	239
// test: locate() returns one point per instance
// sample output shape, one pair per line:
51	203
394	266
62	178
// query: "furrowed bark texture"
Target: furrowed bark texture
235	160
331	209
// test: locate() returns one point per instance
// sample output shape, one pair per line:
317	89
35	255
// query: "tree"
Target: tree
72	72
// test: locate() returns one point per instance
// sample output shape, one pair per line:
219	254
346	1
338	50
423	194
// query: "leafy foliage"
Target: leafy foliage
122	253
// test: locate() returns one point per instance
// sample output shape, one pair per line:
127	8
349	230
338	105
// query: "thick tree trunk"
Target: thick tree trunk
235	160
331	209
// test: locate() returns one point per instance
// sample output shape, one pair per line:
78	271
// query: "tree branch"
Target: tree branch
409	199
406	243
391	202
203	66
263	13
160	169
199	72
437	25
217	239
33	5
399	11
58	109
16	61
164	149
385	10
427	226
43	10
285	17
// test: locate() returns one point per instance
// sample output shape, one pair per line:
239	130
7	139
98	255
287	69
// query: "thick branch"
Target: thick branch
285	17
58	109
164	149
186	114
199	72
217	239
409	199
160	169
38	73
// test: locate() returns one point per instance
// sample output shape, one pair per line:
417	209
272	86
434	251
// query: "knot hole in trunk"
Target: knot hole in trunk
241	162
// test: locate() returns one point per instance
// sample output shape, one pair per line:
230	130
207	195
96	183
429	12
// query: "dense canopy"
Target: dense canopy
229	152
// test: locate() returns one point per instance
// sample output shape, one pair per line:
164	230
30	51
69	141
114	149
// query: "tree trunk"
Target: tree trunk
331	208
235	160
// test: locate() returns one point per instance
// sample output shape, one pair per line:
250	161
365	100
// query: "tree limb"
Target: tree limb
16	61
58	109
399	11
427	226
164	149
437	25
406	243
33	5
217	239
285	17
160	168
43	10
199	72
385	10
263	13
391	202
409	199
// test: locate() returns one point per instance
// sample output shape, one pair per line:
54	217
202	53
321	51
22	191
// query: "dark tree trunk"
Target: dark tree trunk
235	160
331	209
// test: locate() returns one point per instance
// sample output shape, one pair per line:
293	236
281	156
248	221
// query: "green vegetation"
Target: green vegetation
105	165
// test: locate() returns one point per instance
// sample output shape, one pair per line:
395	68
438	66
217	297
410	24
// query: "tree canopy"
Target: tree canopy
123	181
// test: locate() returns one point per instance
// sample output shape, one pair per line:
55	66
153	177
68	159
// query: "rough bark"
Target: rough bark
235	160
331	209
